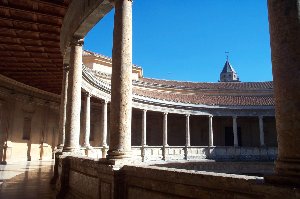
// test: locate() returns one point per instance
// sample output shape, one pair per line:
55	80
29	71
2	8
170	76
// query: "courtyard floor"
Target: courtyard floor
26	180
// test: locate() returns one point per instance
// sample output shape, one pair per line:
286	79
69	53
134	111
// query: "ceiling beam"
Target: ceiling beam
4	21
23	33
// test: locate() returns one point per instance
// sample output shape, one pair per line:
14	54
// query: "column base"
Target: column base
72	151
3	163
116	154
283	180
88	147
60	147
104	150
287	172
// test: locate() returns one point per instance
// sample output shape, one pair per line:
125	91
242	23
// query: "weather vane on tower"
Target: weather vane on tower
227	55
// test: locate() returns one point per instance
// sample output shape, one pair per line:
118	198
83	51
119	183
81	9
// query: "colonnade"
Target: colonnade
121	96
284	31
104	125
121	91
210	129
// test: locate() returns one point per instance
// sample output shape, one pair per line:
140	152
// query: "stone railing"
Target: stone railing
170	153
154	153
85	178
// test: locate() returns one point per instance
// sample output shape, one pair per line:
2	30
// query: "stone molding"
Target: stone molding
79	19
28	89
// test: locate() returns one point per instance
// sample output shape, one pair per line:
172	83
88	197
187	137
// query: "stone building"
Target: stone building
47	82
192	120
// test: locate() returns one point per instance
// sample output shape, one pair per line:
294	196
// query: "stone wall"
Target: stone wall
84	178
29	129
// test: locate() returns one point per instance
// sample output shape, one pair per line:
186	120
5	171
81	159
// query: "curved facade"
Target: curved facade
213	111
210	109
111	113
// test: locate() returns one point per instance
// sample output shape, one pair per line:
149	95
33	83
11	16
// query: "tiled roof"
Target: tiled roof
227	93
218	94
220	100
205	85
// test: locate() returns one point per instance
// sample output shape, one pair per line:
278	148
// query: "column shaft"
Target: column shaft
187	131
74	97
104	124
63	107
144	128
165	129
87	119
235	133
121	82
2	134
284	18
211	132
261	131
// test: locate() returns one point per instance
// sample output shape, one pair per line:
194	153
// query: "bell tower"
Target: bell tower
228	74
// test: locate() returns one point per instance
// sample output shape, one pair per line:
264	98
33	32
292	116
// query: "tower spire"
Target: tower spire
228	74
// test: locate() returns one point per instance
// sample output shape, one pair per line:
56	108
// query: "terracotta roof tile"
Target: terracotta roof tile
206	85
218	100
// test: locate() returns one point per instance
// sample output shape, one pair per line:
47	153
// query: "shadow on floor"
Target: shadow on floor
30	184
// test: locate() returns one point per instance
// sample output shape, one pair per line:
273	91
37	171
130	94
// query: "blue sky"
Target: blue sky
187	40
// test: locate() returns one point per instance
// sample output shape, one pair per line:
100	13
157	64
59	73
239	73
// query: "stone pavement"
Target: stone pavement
26	180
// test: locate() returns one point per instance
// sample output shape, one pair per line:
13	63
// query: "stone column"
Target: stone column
165	129
211	132
187	131
104	124
144	128
87	120
121	82
2	134
74	97
187	136
261	131
235	134
104	129
284	18
63	107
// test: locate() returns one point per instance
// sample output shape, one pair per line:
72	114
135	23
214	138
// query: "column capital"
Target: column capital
234	117
210	116
105	102
145	110
66	67
187	115
165	113
260	116
114	1
87	94
77	41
